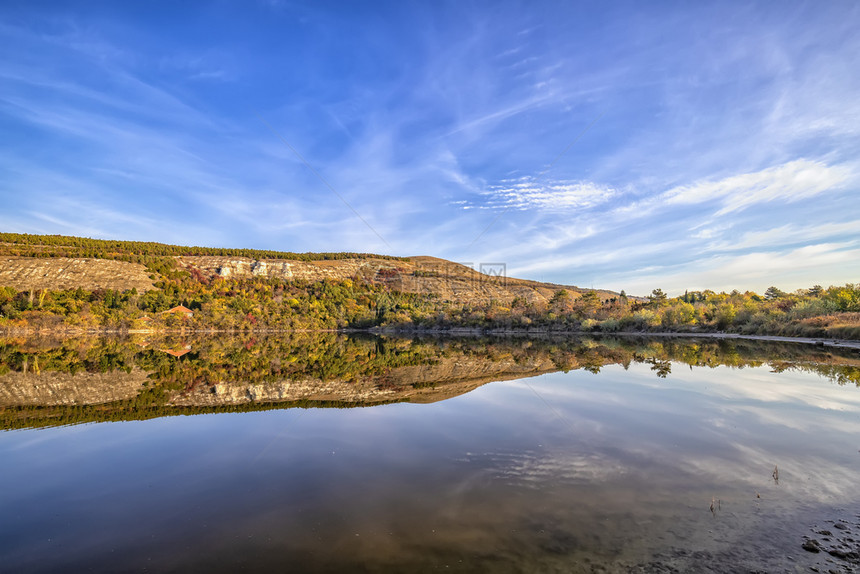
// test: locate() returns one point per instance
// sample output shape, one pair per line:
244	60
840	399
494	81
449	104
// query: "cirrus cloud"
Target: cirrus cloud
528	193
789	182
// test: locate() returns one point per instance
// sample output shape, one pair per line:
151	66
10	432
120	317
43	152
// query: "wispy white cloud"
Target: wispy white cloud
501	114
211	66
790	269
530	193
790	182
608	246
789	234
625	255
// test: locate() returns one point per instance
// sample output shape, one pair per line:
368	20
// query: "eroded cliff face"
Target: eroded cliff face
25	273
450	281
424	275
228	267
51	388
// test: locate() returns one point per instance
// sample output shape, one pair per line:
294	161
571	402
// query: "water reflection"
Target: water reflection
49	383
549	469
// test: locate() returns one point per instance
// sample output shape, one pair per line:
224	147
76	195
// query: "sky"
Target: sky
616	145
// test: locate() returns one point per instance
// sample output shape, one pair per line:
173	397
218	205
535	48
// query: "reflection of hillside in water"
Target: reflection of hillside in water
45	383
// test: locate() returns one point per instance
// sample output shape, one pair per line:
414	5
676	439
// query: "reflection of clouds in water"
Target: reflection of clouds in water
796	401
801	420
534	469
719	429
725	396
806	476
664	444
793	387
723	382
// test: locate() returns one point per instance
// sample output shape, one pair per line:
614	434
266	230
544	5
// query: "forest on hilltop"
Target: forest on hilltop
26	245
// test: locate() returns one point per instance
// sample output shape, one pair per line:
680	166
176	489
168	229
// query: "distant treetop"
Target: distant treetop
27	245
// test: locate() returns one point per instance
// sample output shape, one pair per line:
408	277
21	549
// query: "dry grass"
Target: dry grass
834	325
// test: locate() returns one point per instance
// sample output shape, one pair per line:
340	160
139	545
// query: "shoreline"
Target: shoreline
453	332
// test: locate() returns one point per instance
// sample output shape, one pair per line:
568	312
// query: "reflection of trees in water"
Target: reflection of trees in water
330	355
319	355
184	366
662	368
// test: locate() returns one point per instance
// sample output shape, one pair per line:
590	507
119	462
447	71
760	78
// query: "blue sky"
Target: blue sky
617	145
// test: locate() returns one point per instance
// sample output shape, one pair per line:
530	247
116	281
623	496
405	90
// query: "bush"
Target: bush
645	319
610	325
812	308
679	314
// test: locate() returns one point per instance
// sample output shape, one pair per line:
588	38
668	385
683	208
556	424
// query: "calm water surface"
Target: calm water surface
560	472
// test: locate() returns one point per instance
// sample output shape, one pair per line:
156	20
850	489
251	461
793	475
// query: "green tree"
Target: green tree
657	298
773	293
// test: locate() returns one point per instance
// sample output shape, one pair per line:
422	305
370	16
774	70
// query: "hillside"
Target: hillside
31	262
420	275
26	273
58	283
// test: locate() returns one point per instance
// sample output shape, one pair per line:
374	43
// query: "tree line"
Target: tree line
27	245
253	304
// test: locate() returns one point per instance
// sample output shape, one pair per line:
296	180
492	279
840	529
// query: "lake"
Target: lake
335	453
